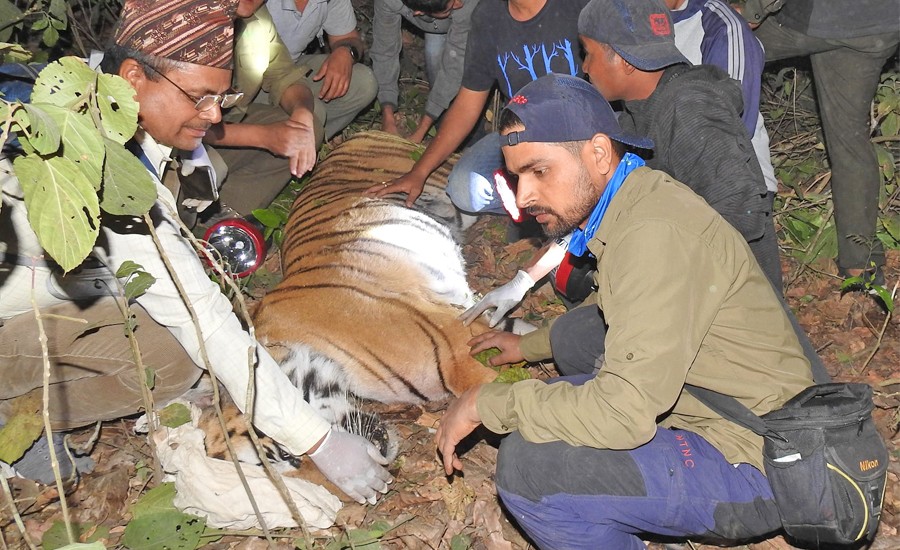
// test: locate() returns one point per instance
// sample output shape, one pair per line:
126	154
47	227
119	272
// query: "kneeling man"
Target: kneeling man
600	461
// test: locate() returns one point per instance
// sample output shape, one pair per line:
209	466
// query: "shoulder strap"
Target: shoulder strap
732	409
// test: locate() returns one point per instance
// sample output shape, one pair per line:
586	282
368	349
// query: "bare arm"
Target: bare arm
459	121
338	68
293	138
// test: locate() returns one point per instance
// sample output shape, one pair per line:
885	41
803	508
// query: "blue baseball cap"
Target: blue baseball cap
640	31
557	108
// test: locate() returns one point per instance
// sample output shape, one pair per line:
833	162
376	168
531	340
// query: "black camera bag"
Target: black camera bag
823	457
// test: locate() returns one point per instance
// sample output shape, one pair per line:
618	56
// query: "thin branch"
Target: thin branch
48	430
15	512
208	364
884	325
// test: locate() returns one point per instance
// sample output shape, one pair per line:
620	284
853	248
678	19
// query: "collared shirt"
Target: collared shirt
685	303
280	411
261	62
298	29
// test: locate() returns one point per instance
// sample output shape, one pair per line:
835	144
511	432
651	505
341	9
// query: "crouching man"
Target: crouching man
600	461
177	57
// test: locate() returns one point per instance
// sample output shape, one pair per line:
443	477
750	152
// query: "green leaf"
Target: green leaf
460	542
484	357
81	141
150	377
885	161
155	501
8	13
174	415
513	374
62	207
118	108
268	217
82	546
164	531
43	132
850	282
127	269
890	126
40	24
416	153
891	224
18	434
138	284
885	296
58	9
56	538
128	189
11	53
50	36
66	83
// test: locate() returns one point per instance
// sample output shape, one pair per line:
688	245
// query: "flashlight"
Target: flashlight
240	244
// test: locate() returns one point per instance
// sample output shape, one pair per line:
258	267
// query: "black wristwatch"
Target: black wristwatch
354	53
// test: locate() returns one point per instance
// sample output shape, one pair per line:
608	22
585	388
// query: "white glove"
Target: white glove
504	299
353	464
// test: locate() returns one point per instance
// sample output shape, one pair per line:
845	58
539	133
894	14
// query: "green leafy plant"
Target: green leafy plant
74	163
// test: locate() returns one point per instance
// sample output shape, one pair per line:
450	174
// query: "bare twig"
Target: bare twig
274	476
48	430
15	513
884	325
208	365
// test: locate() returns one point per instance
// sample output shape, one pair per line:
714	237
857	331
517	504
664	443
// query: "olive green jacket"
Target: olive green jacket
685	303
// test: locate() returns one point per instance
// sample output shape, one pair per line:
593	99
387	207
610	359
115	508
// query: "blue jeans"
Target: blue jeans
471	182
434	50
677	485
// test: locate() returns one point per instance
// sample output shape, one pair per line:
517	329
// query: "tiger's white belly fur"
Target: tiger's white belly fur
372	290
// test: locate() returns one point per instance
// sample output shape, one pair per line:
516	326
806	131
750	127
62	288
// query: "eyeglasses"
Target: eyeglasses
206	102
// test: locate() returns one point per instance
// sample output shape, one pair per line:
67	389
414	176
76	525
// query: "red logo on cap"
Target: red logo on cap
520	99
659	24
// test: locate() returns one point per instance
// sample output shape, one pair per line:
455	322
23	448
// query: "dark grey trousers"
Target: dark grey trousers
846	74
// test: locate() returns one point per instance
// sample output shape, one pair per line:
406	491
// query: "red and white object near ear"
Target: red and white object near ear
506	189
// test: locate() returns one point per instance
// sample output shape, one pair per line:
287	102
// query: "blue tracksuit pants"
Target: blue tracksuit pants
677	485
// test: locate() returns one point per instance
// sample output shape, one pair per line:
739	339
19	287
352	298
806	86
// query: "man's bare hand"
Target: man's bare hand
294	140
409	183
421	131
335	74
506	342
459	421
388	123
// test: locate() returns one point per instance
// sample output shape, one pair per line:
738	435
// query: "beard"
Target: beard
584	199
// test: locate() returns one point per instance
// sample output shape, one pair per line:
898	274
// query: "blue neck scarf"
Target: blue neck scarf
580	237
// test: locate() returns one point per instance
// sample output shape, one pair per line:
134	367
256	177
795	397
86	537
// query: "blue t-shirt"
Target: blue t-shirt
513	53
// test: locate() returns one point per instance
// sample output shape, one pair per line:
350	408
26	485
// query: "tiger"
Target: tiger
371	292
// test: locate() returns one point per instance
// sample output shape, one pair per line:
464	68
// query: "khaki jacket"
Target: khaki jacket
686	303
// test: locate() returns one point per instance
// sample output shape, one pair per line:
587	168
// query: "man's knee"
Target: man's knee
577	339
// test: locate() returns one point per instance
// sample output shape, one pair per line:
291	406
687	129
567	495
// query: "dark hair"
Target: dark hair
152	65
427	6
508	119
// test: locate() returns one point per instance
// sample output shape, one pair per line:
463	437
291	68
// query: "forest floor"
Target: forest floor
857	338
